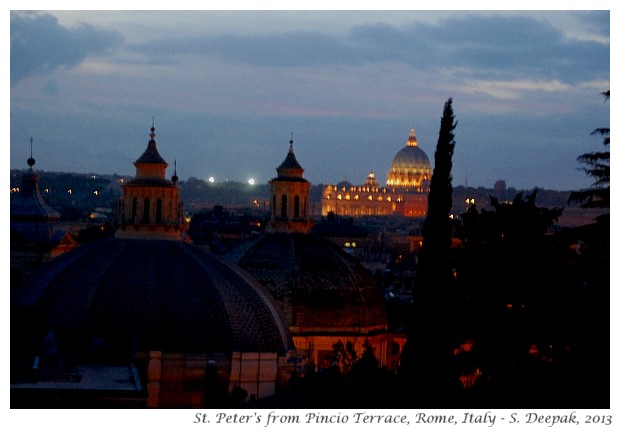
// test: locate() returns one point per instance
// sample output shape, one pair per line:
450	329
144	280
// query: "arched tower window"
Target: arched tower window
283	212
274	204
158	211
134	209
146	211
296	209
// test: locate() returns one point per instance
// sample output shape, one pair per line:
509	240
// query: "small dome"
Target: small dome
410	167
344	184
149	295
32	220
371	181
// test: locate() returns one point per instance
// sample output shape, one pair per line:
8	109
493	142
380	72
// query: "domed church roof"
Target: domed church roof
31	218
410	167
152	295
319	286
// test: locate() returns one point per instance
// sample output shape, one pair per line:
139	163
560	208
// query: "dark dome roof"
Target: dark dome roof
344	184
162	295
319	285
32	220
151	154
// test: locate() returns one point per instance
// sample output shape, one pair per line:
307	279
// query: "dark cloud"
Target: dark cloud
482	47
40	45
295	49
509	46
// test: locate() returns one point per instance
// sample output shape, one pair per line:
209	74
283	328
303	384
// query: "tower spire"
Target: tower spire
175	178
31	160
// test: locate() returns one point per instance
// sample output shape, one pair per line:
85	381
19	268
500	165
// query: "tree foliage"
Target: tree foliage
596	165
437	230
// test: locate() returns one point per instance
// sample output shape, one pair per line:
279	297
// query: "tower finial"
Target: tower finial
175	178
290	149
31	160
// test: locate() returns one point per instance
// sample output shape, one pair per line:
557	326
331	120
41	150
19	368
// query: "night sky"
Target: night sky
227	89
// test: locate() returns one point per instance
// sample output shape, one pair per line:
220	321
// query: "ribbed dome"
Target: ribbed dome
149	295
411	167
319	286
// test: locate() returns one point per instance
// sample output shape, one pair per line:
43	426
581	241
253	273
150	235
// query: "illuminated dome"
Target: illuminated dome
411	167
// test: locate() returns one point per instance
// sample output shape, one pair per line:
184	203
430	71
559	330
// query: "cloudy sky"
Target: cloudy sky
227	88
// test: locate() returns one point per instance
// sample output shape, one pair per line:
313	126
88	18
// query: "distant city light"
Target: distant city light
251	181
211	179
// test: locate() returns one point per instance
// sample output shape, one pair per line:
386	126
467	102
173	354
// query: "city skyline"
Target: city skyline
227	89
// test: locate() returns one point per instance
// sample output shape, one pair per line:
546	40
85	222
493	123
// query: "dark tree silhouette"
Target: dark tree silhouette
434	269
534	307
596	166
426	356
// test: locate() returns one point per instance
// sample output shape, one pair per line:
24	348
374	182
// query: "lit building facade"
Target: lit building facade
405	193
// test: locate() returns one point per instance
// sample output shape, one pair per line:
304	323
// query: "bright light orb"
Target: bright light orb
251	181
211	179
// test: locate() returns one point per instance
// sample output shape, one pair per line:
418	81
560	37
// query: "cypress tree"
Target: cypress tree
434	268
426	358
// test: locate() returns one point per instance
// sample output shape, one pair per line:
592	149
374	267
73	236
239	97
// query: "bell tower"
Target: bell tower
289	197
151	207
